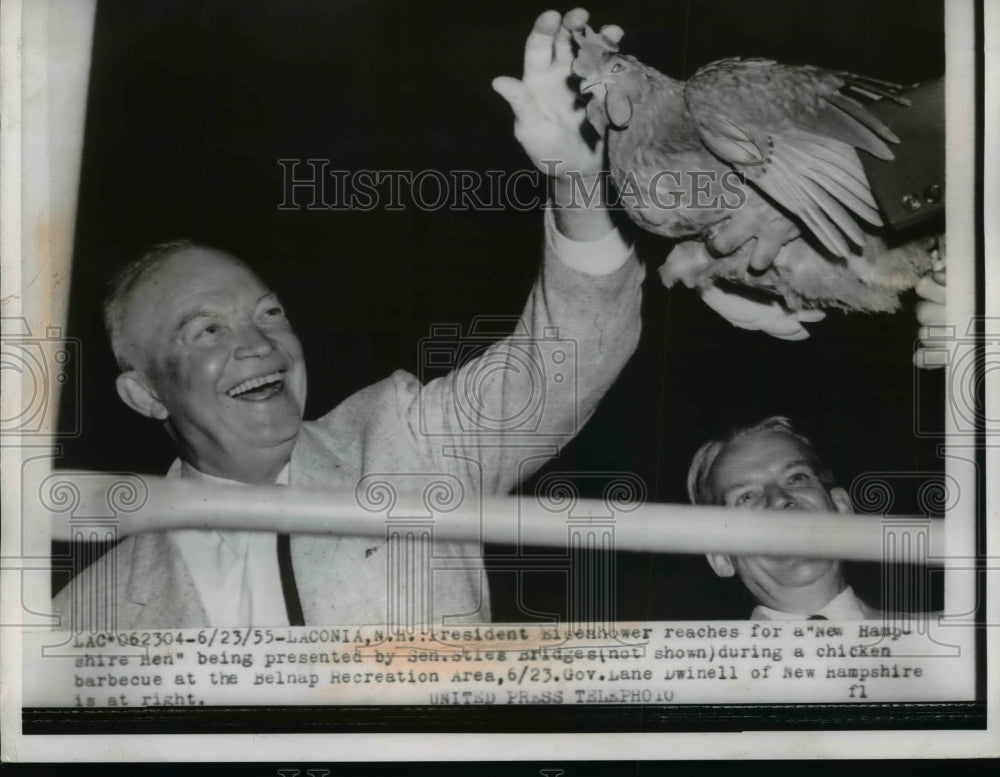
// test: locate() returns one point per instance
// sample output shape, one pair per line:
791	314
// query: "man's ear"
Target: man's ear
136	392
721	564
841	500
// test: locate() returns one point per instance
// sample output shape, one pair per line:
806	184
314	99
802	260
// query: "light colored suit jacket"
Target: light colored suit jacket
399	428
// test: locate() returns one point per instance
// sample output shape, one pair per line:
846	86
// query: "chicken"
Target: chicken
751	147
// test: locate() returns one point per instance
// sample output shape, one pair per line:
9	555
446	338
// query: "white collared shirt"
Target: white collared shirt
845	606
235	572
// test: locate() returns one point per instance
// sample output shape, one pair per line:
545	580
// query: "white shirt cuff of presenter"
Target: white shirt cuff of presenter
592	257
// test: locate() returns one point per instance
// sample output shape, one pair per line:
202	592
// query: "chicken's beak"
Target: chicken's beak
589	83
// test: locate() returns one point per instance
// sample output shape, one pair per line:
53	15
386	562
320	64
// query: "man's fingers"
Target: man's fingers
931	290
562	48
563	45
931	314
612	33
538	47
576	19
513	91
726	237
765	251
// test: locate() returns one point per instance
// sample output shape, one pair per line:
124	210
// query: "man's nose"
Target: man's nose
778	498
253	343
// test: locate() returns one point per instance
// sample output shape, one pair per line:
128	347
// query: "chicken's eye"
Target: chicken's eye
618	67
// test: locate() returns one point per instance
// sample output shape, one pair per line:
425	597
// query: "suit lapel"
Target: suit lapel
314	464
159	588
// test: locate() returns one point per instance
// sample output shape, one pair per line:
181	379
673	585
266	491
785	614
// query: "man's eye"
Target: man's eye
272	313
203	329
742	499
799	477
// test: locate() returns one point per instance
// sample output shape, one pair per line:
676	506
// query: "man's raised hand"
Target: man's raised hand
549	119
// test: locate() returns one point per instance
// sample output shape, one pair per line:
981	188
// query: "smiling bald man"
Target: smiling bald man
205	348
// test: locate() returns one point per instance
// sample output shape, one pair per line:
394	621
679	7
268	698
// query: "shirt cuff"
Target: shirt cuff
592	257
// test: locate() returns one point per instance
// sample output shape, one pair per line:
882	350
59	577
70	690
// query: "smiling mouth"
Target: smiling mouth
258	389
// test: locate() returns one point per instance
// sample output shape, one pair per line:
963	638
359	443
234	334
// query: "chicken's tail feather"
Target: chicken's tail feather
859	113
793	191
820	181
874	88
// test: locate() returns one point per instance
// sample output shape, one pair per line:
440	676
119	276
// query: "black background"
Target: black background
192	104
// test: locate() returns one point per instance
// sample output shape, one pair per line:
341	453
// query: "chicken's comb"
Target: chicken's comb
594	49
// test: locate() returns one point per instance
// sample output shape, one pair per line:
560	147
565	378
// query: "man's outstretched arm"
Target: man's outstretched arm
531	392
585	303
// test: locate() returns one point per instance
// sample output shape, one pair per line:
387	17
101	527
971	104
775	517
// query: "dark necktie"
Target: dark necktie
291	591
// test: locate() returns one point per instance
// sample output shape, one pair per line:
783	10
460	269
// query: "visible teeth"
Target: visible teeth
252	383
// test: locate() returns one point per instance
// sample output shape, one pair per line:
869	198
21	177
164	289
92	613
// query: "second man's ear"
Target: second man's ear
841	500
136	392
721	564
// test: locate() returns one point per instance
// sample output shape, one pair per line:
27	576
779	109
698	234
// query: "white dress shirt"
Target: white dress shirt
235	572
845	606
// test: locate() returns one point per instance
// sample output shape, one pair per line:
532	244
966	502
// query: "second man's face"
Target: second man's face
769	470
775	471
